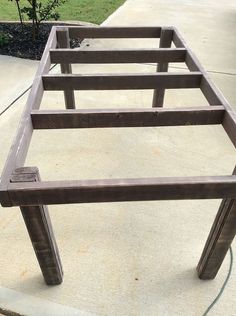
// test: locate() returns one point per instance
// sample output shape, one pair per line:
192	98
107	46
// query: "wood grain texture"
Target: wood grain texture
38	223
165	42
87	118
219	240
64	42
117	190
20	145
107	56
23	187
122	81
114	32
209	92
229	125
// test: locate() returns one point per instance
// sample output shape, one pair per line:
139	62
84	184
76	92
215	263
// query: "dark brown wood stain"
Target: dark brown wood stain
21	186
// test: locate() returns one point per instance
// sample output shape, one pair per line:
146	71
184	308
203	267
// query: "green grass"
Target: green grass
95	11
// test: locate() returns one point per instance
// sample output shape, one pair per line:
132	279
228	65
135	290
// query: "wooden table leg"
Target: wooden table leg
165	42
40	230
219	240
64	42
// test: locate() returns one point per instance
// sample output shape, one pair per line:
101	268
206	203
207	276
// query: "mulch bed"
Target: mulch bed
20	40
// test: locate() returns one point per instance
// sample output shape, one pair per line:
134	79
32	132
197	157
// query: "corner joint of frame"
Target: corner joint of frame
5	200
25	174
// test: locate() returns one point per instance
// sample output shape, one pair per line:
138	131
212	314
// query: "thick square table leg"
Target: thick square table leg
64	42
165	42
219	240
40	230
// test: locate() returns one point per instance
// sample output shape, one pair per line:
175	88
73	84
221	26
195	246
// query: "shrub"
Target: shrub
4	39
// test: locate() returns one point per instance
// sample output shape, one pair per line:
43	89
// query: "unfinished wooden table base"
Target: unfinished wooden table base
21	186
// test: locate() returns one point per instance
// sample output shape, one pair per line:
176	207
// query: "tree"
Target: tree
19	11
38	11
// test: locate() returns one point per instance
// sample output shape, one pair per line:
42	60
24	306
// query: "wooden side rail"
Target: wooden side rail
19	148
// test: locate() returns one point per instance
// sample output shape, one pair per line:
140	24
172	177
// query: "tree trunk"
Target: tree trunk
19	13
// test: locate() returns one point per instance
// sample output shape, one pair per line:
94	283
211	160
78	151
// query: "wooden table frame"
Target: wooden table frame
21	186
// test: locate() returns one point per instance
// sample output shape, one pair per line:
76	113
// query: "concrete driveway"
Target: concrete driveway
125	258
